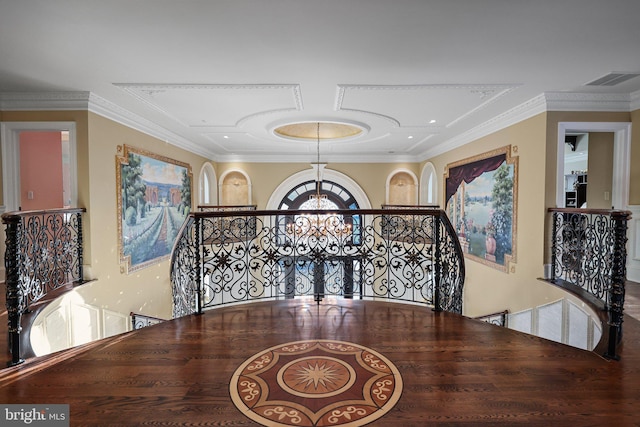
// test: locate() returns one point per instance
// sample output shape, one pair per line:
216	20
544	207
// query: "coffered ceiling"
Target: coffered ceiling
418	77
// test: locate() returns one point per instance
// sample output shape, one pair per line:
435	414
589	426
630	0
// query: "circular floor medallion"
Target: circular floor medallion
316	383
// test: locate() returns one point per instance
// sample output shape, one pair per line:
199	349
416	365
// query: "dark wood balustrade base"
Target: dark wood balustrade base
456	371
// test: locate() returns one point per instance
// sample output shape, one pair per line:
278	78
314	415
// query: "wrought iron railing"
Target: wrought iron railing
498	319
588	252
218	208
139	321
43	253
406	254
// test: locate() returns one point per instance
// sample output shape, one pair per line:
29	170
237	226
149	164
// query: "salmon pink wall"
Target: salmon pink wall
41	170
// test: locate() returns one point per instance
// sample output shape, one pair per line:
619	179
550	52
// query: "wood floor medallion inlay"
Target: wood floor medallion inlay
316	383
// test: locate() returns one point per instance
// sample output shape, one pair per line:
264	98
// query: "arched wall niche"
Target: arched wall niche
235	188
401	188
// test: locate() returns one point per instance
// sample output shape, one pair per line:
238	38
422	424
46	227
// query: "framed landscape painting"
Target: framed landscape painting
481	199
154	199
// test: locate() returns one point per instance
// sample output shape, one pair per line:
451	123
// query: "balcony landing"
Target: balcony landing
454	370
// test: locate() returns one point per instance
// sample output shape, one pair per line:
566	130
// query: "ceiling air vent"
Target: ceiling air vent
612	79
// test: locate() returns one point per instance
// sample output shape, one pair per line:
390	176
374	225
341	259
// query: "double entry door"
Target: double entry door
320	276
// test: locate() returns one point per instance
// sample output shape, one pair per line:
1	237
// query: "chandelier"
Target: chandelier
319	224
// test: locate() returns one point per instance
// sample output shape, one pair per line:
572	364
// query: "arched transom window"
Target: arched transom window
332	196
301	197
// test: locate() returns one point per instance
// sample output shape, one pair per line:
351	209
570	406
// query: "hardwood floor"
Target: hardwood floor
455	371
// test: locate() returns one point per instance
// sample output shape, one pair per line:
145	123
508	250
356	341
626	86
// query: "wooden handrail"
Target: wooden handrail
609	212
252	242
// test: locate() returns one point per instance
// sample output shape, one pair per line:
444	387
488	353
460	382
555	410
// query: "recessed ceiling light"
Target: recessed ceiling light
410	137
432	121
226	137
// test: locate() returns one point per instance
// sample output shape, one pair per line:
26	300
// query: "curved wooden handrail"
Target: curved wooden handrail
614	213
187	270
21	214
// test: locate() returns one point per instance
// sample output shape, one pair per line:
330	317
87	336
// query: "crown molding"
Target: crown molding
67	101
326	158
548	101
111	111
635	101
577	101
43	101
522	112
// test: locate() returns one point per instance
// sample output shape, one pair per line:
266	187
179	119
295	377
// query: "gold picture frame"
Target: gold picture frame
481	200
154	198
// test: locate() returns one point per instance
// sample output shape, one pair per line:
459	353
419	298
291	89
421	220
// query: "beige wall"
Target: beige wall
600	170
488	290
145	291
266	177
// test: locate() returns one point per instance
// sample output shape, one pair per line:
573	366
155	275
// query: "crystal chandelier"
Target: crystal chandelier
319	224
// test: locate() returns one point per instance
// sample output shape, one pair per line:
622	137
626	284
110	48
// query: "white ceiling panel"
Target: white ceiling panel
420	105
216	77
214	105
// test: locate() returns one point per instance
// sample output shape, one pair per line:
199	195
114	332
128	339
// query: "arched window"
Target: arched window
208	185
300	197
310	175
428	185
333	196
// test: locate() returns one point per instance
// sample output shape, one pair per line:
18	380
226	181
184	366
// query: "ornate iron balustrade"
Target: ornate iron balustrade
218	208
588	252
228	222
405	254
139	321
43	253
498	319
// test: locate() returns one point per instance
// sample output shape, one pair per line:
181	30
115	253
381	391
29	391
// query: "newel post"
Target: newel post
554	242
80	248
438	267
198	269
14	294
618	278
